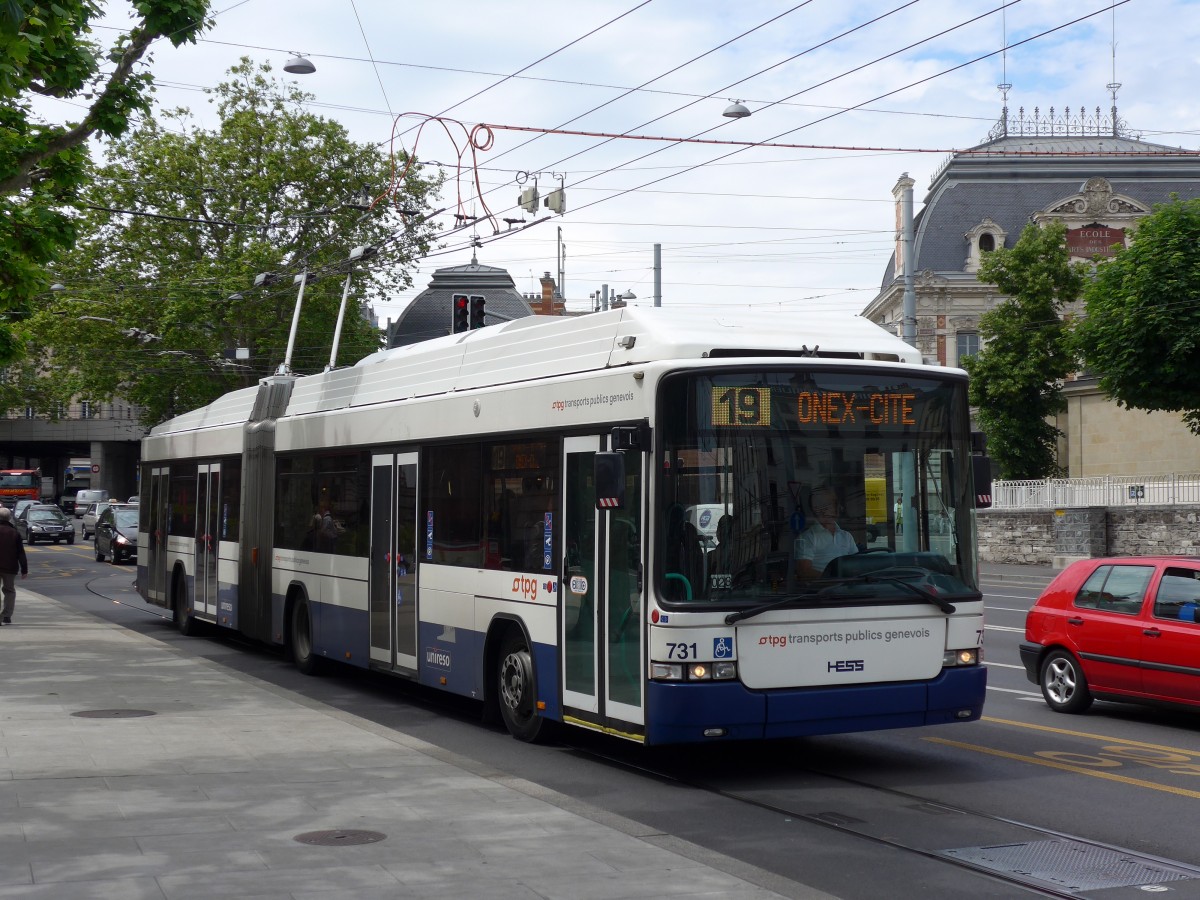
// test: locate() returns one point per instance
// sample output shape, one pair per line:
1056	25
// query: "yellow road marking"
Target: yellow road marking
1091	737
1051	764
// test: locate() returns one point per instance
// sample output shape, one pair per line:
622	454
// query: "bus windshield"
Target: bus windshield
826	486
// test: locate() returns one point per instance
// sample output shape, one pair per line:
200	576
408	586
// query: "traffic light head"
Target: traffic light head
477	310
460	312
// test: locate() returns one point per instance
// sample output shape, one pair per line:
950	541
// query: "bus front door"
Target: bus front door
393	571
601	597
208	528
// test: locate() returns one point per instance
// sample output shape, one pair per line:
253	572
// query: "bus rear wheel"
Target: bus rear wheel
516	692
300	639
185	622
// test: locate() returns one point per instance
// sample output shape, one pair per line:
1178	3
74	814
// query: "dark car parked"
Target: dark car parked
1122	628
45	522
116	533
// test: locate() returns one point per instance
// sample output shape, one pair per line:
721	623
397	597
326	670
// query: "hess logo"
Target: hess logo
525	587
845	665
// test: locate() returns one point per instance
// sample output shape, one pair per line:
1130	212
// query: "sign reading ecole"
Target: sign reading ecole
1094	240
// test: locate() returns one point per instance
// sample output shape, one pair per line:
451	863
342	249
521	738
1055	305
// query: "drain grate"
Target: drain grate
339	837
1070	864
114	713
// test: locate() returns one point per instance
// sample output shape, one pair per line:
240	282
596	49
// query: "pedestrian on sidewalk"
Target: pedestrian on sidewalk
12	560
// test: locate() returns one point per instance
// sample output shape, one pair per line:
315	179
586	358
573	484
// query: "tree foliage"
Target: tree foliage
1016	378
1141	336
46	51
160	286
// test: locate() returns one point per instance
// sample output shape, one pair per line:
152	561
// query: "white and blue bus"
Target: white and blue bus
524	514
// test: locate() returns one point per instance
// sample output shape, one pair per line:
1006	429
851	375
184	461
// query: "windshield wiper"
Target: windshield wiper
870	578
882	577
764	607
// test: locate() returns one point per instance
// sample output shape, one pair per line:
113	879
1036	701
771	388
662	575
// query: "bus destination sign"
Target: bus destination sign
751	406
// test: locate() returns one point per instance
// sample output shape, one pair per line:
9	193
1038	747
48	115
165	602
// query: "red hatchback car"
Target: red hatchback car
1119	628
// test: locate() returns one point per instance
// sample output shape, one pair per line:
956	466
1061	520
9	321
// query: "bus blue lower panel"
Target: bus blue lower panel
227	605
680	713
453	654
341	634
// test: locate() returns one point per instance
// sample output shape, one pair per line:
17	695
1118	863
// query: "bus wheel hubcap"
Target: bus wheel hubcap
514	680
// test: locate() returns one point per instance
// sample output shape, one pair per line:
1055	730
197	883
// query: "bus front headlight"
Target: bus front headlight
968	657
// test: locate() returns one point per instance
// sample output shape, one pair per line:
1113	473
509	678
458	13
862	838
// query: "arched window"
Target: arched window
987	242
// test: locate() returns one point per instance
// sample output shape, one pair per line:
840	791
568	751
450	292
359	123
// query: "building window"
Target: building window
85	409
987	242
966	344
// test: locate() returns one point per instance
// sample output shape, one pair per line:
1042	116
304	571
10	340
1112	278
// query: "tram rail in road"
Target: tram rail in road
1041	861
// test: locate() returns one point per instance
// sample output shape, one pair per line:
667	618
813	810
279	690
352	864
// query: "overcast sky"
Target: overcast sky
784	227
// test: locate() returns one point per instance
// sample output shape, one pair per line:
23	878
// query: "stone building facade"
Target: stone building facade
1086	172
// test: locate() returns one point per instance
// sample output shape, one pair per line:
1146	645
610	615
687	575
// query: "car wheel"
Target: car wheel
71	541
516	691
1064	686
99	555
300	639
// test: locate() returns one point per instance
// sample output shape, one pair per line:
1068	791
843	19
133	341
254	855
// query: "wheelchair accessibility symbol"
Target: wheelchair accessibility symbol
722	647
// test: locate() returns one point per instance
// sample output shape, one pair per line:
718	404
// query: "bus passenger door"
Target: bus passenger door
624	621
578	588
157	507
208	526
393	572
601	589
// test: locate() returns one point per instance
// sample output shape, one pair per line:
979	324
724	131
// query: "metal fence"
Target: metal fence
1106	490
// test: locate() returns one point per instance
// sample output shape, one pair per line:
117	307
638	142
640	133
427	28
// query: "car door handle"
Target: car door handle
1151	632
1075	620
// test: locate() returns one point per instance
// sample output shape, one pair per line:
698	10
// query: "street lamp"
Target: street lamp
735	110
299	65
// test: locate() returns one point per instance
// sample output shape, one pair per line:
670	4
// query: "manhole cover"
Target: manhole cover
1072	864
339	837
114	713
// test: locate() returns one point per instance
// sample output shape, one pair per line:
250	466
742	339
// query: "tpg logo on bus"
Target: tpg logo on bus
525	587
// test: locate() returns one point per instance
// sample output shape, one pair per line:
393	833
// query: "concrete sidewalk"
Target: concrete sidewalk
204	791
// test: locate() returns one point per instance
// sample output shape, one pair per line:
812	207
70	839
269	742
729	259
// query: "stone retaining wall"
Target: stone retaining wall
1056	537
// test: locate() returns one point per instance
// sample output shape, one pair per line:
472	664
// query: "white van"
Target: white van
83	498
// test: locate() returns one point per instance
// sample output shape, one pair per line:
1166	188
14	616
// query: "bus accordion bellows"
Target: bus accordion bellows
524	514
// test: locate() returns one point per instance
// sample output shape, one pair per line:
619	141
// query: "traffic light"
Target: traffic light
477	310
460	311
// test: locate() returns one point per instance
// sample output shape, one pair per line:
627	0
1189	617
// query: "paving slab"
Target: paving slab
204	798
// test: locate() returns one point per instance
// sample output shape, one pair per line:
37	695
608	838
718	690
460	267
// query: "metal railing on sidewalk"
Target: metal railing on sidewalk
1105	490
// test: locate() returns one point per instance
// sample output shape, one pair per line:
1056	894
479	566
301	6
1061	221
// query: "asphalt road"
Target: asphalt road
855	815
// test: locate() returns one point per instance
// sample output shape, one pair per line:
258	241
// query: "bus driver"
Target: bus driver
823	539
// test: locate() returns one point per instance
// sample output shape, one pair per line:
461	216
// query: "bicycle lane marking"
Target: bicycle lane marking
1119	750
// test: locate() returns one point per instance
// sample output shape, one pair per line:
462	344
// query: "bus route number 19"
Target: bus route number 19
741	406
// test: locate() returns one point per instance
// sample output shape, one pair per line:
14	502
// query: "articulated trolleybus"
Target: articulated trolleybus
668	527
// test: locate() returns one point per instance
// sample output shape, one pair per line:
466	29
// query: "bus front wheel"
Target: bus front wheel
300	639
516	692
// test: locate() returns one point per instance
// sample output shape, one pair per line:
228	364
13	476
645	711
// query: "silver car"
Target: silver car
91	515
